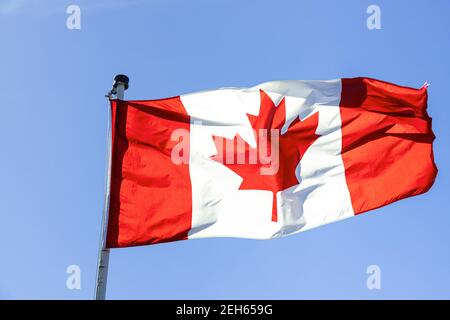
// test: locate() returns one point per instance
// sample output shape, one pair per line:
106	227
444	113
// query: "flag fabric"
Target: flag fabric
264	162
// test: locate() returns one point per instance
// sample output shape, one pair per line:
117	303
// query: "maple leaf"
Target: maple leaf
292	145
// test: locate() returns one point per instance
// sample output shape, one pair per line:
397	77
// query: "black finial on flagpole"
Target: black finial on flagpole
121	79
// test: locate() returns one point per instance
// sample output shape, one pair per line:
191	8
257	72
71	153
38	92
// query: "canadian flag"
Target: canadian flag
266	161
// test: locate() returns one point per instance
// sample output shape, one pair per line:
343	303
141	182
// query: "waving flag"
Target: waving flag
264	162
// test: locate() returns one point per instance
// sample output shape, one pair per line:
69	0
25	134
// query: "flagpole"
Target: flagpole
119	86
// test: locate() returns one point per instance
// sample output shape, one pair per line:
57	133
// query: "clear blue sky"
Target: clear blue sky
53	132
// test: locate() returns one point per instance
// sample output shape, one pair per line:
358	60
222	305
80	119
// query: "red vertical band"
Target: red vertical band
151	198
386	142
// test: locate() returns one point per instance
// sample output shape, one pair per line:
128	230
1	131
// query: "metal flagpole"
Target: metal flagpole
118	89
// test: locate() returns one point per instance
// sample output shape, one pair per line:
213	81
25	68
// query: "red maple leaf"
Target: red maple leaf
248	162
